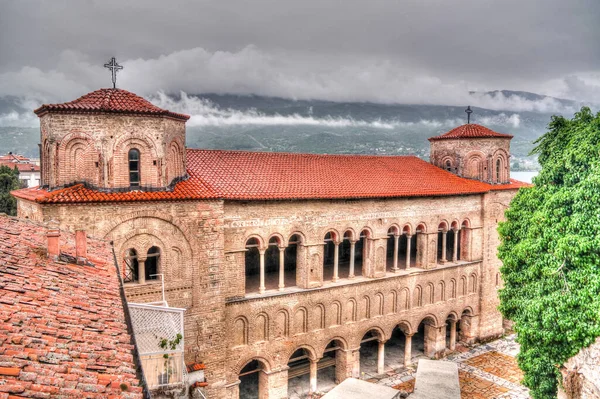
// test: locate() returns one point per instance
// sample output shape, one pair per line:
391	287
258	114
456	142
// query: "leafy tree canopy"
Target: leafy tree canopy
551	252
9	180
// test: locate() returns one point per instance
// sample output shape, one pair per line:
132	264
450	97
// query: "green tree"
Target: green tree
9	180
551	252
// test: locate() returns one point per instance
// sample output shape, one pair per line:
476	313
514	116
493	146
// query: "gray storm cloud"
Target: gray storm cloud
418	52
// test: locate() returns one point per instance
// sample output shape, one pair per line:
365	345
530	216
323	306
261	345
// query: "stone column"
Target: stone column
444	242
408	349
455	253
381	357
281	268
313	376
336	261
141	271
435	341
344	365
261	288
273	384
408	249
452	335
352	255
396	239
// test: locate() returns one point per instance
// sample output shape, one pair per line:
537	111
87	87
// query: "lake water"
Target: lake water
523	176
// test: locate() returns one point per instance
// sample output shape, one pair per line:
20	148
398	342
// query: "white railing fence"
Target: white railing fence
163	367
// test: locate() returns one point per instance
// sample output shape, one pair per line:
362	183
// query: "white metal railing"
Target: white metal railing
153	323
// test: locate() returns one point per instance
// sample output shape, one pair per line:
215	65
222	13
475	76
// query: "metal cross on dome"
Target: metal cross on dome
114	67
469	112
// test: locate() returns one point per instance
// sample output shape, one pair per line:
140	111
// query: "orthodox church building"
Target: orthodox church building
294	269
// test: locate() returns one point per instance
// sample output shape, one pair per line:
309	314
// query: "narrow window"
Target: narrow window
134	168
152	262
131	266
498	163
448	166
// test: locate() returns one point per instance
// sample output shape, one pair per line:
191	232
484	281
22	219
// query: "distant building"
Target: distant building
294	269
29	170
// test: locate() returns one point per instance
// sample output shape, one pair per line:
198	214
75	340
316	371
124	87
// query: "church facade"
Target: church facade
293	268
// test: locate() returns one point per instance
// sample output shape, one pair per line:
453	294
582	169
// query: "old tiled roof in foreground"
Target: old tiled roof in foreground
242	175
62	326
470	131
111	101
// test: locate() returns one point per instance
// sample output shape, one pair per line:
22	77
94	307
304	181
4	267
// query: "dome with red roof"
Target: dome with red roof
111	101
470	131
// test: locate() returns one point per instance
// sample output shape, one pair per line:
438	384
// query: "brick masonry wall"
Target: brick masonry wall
473	158
203	245
94	148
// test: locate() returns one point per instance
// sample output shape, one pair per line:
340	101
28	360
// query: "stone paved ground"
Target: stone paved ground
487	371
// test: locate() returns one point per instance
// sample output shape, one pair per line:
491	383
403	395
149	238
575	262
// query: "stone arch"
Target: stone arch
407	229
455	225
78	158
367	307
417	297
474	166
452	315
298	234
335	314
350	234
175	161
380	305
500	166
421	227
394	229
341	340
261	327
278	238
262	244
472	283
404	326
310	350
448	164
239	366
462	286
404	299
148	164
240	331
429	296
378	330
430	319
301	321
452	289
335	235
443	225
441	292
319	316
391	303
351	310
282	320
367	231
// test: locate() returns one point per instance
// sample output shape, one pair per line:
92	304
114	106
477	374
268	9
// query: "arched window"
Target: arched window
131	266
498	165
252	265
152	263
134	168
448	166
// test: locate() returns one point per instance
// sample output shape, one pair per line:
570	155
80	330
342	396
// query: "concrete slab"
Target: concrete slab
436	379
351	388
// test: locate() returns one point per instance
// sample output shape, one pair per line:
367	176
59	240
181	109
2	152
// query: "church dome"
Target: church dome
470	131
111	101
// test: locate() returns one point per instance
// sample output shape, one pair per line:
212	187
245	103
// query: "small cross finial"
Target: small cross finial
114	67
469	112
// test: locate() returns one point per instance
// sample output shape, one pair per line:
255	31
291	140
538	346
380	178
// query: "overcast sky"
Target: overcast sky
409	51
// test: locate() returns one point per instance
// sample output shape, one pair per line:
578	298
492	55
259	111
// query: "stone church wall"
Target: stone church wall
581	374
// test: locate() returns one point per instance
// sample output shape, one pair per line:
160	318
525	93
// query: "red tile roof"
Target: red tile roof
241	175
21	167
112	101
470	131
62	326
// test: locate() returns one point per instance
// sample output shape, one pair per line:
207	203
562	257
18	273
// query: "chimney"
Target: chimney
53	235
80	246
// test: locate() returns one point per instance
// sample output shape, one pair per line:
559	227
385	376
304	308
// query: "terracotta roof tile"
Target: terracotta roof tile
241	175
109	100
62	326
471	130
21	167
